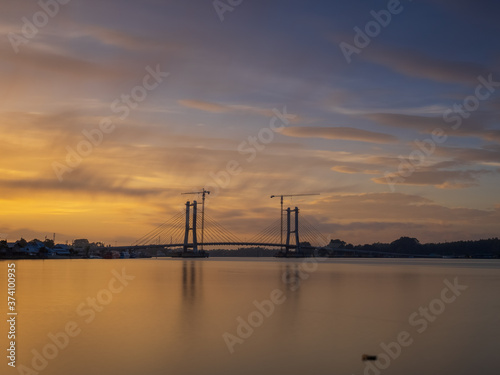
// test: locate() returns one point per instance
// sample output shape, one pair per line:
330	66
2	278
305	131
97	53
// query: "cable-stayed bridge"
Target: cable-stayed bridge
183	230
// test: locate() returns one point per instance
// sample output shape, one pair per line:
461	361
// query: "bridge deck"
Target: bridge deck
263	244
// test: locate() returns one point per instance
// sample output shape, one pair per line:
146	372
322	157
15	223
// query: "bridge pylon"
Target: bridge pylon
190	228
295	231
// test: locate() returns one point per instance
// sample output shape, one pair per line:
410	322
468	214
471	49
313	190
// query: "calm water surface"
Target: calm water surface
185	316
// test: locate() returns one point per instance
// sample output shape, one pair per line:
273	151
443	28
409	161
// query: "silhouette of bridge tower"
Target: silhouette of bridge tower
295	231
191	227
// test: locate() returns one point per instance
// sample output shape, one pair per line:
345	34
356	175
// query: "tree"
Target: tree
48	243
22	242
405	245
335	244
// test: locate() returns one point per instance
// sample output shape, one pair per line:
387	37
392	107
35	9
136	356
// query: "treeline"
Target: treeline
48	243
408	245
404	246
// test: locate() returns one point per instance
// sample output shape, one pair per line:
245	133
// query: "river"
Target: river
254	316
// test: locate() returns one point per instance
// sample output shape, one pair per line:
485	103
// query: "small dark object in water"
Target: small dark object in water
367	357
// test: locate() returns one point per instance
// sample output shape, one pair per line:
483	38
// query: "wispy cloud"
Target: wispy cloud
360	216
475	126
122	39
422	65
230	108
204	106
442	179
339	133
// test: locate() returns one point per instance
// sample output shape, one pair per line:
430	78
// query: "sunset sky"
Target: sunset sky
171	91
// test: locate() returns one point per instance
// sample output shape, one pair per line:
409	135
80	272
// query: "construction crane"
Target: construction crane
202	192
281	196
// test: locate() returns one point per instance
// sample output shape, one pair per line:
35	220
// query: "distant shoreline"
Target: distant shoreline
261	256
404	247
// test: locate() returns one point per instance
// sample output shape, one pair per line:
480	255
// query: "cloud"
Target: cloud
491	135
442	179
425	110
348	169
338	133
80	180
122	39
37	58
372	217
446	168
450	173
486	155
364	164
355	168
232	108
477	13
422	65
419	123
204	106
474	126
